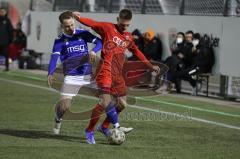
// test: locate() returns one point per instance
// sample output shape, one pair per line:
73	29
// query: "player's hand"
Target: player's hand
92	56
50	80
76	15
156	69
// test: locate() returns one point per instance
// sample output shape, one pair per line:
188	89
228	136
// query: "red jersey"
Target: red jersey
114	46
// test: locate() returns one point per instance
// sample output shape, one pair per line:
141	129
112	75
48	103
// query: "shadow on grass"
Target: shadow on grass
36	134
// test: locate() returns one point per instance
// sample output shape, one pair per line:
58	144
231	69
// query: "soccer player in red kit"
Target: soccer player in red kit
109	78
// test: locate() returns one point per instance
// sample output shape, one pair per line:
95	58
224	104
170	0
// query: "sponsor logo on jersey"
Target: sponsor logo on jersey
76	48
119	42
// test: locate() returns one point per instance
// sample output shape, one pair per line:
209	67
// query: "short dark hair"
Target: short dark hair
181	33
125	14
196	36
189	32
65	15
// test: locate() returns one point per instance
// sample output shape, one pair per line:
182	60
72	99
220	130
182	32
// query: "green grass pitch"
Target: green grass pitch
26	123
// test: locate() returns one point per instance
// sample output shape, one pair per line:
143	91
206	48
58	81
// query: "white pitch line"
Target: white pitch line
190	117
132	106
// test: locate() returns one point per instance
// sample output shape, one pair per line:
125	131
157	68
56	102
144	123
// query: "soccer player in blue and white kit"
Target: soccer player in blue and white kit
71	47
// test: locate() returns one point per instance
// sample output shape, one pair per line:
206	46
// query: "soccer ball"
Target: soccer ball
116	137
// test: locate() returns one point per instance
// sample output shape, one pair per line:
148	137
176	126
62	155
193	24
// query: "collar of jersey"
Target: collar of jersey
69	36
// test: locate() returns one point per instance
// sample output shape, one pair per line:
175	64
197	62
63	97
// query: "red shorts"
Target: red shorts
114	85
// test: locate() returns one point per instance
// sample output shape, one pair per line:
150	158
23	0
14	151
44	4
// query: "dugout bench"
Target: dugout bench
29	57
204	77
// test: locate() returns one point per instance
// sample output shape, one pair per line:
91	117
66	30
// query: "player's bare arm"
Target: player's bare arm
92	56
50	80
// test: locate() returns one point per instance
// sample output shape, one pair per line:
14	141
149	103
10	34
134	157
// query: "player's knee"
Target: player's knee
105	100
104	103
65	103
122	104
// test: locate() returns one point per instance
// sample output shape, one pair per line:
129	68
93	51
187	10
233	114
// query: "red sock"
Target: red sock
107	122
96	114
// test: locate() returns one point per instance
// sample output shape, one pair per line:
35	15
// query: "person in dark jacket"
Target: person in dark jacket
138	40
152	46
175	61
18	43
6	35
202	61
187	60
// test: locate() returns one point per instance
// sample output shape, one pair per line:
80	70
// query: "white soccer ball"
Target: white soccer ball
117	137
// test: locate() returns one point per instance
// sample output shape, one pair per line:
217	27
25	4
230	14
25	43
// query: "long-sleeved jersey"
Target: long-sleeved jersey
114	46
73	51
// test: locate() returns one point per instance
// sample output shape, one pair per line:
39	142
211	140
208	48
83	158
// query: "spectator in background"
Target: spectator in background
175	62
188	72
138	40
152	46
189	36
202	61
178	44
158	46
187	60
18	43
203	54
6	35
20	37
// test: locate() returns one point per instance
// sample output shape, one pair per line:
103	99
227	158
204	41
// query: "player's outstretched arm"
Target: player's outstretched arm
133	48
86	21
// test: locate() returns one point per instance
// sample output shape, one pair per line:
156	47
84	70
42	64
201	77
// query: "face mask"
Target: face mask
179	40
195	42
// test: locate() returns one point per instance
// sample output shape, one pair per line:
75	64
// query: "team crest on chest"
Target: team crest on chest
66	41
79	38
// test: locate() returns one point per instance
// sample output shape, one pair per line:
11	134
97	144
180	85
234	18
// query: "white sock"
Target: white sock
116	125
